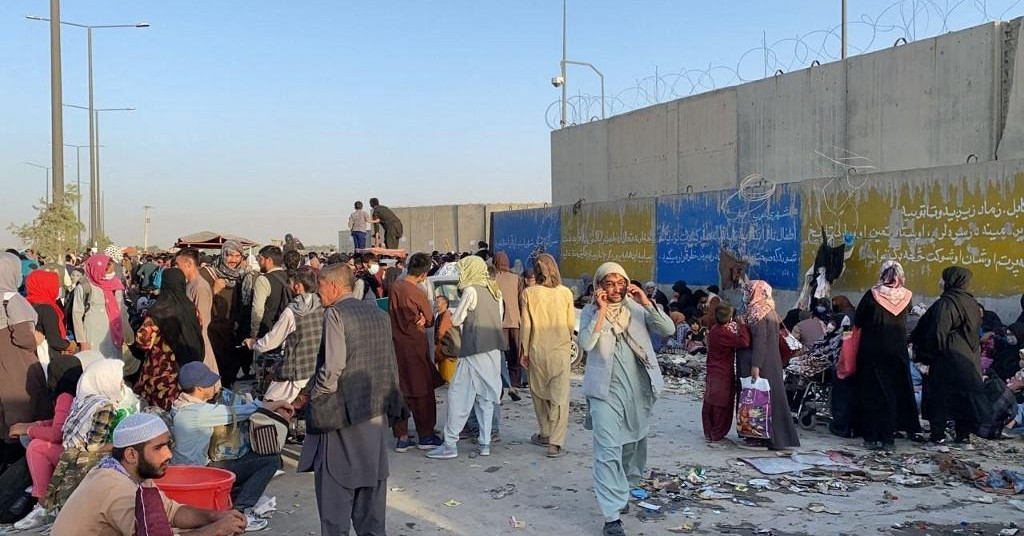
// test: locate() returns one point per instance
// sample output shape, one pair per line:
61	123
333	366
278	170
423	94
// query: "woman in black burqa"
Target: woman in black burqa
946	340
885	393
175	315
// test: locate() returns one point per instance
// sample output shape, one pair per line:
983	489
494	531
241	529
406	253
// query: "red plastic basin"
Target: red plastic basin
201	487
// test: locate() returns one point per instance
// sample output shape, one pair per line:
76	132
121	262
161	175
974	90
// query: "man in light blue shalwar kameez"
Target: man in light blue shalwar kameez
621	382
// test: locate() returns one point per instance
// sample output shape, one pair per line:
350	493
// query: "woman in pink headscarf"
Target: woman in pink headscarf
99	314
885	394
764	360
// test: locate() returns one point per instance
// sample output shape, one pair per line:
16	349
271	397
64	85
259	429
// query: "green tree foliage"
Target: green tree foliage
55	226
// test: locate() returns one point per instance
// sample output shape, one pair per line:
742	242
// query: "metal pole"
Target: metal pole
564	57
94	209
844	31
78	180
99	190
56	109
145	232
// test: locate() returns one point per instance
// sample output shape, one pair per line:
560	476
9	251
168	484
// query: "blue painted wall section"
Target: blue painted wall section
691	229
523	233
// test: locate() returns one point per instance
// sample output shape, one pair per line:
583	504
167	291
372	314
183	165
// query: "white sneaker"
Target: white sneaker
254	523
485	450
444	452
35	519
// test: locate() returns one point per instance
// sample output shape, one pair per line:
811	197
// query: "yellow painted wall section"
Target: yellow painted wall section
925	221
620	231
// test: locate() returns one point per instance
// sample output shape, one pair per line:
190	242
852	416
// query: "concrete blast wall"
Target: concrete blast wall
930	103
444	227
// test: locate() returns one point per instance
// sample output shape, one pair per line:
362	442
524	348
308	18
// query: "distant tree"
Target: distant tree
53	227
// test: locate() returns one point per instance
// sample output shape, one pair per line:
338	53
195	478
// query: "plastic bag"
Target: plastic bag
754	413
847	365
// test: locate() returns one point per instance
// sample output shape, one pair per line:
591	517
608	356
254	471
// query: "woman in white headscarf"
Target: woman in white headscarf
621	382
23	392
101	401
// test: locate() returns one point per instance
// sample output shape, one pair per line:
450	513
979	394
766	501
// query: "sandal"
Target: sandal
557	454
539	440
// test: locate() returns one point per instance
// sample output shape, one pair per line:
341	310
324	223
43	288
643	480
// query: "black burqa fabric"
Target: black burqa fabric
884	388
1007	359
175	315
947	340
1020	319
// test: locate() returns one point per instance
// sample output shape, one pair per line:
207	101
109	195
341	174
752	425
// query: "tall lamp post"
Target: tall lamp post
78	182
94	201
561	81
145	229
47	168
96	217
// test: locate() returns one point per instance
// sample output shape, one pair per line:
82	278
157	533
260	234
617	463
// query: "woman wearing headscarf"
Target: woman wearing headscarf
46	436
764	360
946	340
99	314
548	320
42	288
101	401
23	393
621	383
884	390
842	308
477	382
1007	359
171	336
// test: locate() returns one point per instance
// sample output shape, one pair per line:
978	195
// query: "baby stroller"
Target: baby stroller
808	380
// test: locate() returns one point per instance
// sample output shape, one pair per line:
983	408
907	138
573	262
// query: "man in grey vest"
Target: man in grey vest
354	397
477	382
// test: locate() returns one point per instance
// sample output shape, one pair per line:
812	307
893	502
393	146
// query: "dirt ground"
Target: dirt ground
481	496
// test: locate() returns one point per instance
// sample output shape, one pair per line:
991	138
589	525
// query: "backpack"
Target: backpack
268	432
69	309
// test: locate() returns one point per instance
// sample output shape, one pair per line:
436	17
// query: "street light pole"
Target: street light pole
96	216
78	182
145	229
56	112
564	52
47	168
54	20
843	44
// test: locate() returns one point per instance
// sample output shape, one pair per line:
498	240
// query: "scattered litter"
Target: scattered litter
503	491
1016	503
888	496
639	494
451	503
265	506
515	523
648	506
492	469
1009	532
398	490
709	495
982	500
685	528
819	508
773	465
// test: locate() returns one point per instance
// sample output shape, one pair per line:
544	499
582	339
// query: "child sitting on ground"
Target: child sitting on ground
724	338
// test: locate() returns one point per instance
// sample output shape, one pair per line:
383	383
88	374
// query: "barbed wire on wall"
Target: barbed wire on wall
901	21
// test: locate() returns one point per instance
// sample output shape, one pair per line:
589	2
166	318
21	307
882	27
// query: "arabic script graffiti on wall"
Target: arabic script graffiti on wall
927	225
523	234
620	231
691	230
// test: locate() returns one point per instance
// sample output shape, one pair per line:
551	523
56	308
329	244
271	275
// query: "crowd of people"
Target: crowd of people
117	367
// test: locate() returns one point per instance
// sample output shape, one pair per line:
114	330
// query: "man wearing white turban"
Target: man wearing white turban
621	382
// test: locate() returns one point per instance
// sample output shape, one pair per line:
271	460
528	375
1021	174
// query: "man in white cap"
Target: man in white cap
119	499
621	383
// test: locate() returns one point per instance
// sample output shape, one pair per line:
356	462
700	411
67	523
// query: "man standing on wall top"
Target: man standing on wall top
387	219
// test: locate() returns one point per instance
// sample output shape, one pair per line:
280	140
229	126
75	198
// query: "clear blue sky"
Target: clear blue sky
263	117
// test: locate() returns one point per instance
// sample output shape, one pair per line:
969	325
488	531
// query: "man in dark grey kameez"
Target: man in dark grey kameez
357	366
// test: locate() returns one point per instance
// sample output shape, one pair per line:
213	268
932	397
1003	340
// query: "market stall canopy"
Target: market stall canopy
211	240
